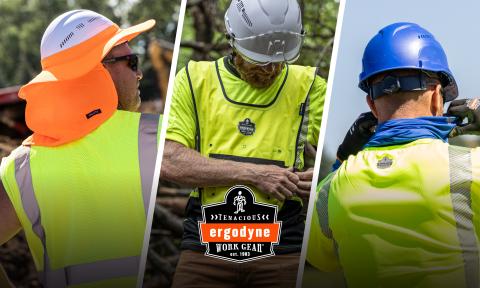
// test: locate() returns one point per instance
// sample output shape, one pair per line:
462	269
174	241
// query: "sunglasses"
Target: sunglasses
132	61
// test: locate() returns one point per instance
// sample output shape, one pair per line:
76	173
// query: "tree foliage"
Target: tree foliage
24	21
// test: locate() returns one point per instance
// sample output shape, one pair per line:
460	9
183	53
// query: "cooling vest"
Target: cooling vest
83	205
401	216
273	132
269	126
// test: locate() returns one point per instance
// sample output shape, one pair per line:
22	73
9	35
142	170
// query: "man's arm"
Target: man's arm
186	166
9	224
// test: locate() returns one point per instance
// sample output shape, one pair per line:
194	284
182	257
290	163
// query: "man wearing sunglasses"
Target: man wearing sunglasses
122	65
246	119
79	187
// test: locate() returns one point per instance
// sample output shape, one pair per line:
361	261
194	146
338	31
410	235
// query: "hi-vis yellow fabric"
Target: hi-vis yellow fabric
401	216
83	205
241	123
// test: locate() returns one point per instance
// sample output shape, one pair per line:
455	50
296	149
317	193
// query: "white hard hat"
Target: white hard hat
265	31
76	41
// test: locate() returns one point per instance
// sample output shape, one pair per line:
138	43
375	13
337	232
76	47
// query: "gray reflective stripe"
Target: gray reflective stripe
460	189
303	129
302	134
147	153
23	177
322	209
91	272
101	270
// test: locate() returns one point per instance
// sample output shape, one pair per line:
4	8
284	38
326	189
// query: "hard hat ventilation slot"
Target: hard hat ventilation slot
424	36
70	35
241	9
80	26
92	19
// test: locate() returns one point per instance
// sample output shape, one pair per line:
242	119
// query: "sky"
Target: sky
455	24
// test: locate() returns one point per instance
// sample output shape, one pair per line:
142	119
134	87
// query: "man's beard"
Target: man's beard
255	75
258	79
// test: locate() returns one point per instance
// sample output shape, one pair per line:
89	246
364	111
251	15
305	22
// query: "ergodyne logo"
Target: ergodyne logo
239	229
384	163
246	127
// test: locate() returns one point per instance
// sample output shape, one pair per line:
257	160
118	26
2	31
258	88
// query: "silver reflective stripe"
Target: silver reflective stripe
101	270
322	209
460	189
91	272
23	177
147	153
302	134
303	129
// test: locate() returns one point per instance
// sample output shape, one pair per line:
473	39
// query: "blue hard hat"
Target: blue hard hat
406	46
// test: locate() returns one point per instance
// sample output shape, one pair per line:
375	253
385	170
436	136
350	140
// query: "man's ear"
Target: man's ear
371	104
436	105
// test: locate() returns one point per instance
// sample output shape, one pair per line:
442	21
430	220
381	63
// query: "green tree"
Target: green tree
23	23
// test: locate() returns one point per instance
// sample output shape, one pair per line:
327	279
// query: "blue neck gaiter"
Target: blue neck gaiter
401	131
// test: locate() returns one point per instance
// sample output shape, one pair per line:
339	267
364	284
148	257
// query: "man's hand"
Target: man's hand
305	183
185	166
465	108
357	136
277	182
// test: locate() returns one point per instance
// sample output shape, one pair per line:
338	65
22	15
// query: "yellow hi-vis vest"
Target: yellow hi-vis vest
401	216
271	133
83	205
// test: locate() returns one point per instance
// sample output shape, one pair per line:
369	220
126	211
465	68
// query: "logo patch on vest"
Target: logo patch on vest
384	163
246	127
239	229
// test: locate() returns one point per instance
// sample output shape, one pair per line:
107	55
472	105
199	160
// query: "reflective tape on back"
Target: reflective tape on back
23	176
101	270
147	153
460	189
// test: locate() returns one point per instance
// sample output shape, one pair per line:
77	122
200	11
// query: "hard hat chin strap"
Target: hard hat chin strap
391	84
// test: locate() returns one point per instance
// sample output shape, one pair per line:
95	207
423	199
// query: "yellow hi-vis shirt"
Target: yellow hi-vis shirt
401	216
83	205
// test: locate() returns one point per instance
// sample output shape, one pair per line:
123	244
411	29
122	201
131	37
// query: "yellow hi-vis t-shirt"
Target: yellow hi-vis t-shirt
401	216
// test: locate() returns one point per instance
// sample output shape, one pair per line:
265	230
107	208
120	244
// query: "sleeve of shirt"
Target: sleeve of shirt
321	251
317	99
181	118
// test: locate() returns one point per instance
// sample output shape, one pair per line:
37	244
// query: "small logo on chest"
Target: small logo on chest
384	163
246	127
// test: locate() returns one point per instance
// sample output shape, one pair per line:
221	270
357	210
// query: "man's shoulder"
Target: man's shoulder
193	68
192	64
19	152
308	69
309	72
